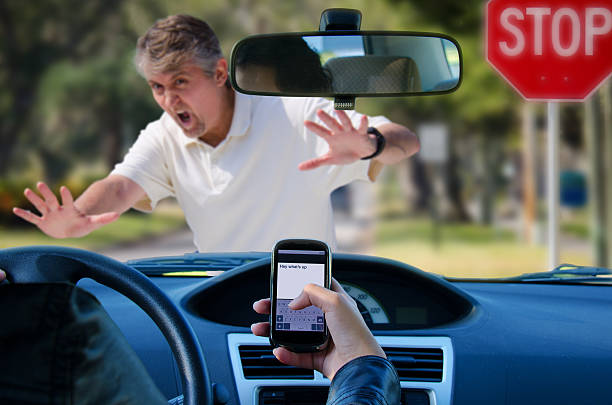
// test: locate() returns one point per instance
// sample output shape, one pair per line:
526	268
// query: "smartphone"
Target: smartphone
295	263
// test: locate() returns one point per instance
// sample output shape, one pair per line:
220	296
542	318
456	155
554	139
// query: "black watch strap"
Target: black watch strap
380	143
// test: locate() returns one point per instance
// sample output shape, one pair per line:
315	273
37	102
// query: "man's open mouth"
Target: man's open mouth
185	117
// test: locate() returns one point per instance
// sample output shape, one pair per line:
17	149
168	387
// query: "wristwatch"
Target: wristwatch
380	143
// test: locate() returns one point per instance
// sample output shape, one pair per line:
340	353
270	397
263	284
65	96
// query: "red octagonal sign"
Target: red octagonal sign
551	50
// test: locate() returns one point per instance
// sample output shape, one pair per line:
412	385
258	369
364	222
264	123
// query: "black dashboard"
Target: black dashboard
461	342
390	295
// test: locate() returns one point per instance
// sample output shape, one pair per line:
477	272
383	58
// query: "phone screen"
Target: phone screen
294	271
298	263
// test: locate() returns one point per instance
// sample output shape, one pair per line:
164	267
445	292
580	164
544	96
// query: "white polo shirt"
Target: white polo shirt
247	192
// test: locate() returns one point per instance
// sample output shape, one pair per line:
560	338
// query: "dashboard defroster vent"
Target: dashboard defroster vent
258	362
416	364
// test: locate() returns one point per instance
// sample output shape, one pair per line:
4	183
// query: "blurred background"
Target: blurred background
471	204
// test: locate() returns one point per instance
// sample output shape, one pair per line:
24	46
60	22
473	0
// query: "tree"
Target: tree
33	37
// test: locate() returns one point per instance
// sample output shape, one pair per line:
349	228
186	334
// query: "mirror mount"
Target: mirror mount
341	19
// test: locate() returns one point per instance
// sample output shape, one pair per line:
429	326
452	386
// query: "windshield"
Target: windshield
471	204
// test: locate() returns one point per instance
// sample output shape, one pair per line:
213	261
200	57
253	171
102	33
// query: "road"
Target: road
353	236
354	232
173	244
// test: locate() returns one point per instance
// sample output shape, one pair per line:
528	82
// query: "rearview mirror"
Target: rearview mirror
346	63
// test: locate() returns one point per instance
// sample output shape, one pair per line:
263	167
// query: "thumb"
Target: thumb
316	162
103	219
313	294
300	302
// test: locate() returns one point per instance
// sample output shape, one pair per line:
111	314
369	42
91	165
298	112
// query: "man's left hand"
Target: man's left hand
346	143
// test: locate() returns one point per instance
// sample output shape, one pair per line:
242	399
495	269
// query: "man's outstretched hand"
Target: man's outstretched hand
347	144
61	220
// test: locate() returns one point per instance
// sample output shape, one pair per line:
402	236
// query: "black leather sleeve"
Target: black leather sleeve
365	380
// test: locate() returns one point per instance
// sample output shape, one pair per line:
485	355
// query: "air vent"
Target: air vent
258	362
416	364
305	395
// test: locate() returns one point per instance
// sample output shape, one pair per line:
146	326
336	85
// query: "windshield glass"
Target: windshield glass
470	204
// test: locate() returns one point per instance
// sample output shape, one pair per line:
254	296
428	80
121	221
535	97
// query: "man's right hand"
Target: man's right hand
61	221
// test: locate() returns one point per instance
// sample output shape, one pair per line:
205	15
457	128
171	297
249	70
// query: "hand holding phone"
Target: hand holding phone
295	264
349	336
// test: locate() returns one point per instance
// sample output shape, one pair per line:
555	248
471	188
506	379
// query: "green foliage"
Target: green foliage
79	63
33	36
73	99
458	16
90	111
11	195
420	229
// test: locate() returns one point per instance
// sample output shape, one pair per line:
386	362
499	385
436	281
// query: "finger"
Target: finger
102	219
67	199
318	129
262	306
330	121
344	119
363	125
2	275
261	329
302	360
316	162
48	195
36	201
316	295
27	215
337	287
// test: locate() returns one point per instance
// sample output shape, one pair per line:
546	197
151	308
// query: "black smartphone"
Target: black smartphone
295	263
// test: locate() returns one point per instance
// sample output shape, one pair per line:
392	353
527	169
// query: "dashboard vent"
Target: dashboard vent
416	364
258	362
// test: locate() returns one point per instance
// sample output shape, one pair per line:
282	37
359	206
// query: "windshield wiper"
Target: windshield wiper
193	264
567	273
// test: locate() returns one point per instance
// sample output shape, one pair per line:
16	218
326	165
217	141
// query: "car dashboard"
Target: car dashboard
457	341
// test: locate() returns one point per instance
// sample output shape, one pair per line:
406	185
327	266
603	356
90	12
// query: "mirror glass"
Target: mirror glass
330	64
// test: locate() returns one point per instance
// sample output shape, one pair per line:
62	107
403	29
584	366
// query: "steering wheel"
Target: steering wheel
44	264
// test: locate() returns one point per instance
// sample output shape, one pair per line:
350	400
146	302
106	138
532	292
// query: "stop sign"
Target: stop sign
548	49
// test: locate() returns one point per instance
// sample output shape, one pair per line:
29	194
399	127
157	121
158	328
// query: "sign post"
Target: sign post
434	152
551	51
552	192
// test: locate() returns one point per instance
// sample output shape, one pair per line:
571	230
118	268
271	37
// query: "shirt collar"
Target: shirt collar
241	121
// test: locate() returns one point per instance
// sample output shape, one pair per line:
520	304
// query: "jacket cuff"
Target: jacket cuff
365	380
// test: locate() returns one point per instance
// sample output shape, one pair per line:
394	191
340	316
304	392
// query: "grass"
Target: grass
130	227
463	250
467	249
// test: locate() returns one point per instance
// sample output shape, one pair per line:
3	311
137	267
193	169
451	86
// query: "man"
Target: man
231	160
